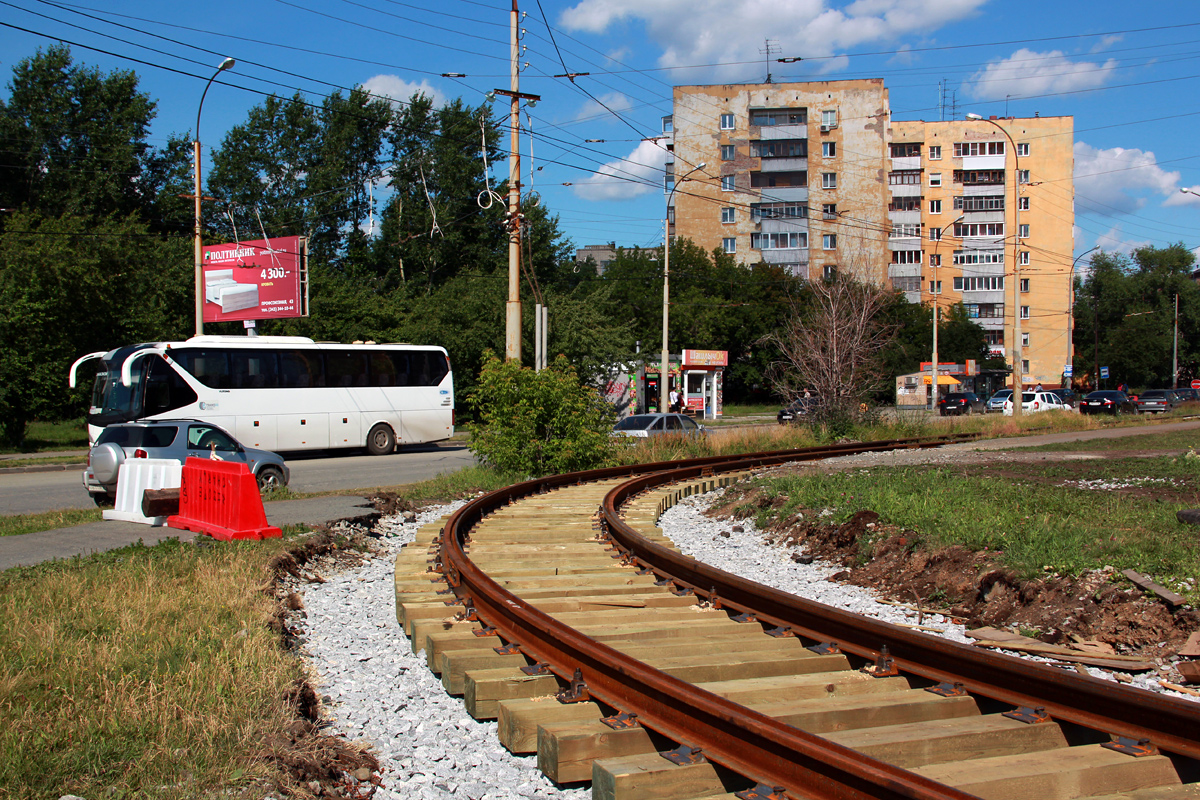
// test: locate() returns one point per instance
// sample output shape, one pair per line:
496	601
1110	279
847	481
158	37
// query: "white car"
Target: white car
1032	402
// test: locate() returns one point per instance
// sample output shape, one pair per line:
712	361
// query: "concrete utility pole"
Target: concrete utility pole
512	316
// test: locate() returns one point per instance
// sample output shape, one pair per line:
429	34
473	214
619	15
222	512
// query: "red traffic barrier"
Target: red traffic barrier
221	498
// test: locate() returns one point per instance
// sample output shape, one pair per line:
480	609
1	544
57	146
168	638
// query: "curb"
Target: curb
43	468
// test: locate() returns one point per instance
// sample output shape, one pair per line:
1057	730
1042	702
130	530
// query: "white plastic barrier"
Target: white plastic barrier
136	476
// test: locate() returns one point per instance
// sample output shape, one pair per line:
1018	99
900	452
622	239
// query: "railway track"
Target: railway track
556	607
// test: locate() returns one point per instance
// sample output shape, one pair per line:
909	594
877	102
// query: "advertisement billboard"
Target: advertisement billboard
256	280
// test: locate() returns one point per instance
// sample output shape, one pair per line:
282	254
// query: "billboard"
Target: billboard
256	280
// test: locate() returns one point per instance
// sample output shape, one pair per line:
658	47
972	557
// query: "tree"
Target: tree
832	343
539	423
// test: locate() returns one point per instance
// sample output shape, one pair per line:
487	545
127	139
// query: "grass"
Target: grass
141	672
47	520
42	461
1033	526
746	409
1173	440
48	436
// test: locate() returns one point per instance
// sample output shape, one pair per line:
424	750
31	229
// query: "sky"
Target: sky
1131	80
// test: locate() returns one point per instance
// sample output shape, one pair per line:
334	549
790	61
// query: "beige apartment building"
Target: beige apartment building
818	178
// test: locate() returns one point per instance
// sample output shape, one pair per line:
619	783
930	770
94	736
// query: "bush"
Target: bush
539	423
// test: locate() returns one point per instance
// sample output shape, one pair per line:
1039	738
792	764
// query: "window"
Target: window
935	179
668	176
671	214
829	241
668	124
935	259
985	283
1022	148
978	149
904	229
730	244
726	183
905	177
1023	260
829	119
1023	203
935	206
828	149
985	310
779	241
728	152
979	177
727	122
828	180
782	179
962	229
1024	340
829	211
1024	285
1023	231
994	338
830	271
978	257
906	256
905	204
935	234
1024	312
761	211
727	215
779	116
980	203
935	287
1022	176
780	148
1025	365
935	152
910	283
905	150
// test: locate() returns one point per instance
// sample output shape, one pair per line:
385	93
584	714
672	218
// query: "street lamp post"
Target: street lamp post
1018	367
226	64
933	392
1071	313
662	377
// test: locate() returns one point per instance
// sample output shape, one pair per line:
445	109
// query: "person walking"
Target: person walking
674	409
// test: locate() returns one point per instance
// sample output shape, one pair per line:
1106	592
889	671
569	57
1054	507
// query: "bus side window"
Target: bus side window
210	367
294	372
165	390
255	369
400	360
383	371
346	368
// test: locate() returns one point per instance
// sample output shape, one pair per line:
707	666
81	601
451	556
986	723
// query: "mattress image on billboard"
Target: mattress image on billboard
222	289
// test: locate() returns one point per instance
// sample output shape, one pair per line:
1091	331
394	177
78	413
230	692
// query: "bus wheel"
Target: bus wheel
270	478
381	440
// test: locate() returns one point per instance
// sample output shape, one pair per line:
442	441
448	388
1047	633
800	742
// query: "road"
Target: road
34	492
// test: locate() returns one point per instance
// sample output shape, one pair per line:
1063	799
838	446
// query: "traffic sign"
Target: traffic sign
1104	373
1067	370
1196	384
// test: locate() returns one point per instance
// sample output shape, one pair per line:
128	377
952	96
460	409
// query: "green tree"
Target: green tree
539	423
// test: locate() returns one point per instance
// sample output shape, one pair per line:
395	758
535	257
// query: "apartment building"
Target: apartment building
818	178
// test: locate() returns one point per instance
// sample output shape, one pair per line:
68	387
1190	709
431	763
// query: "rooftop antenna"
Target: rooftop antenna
768	49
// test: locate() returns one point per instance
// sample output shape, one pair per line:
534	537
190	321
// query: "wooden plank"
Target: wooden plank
483	689
518	720
649	776
1007	640
1165	594
456	663
839	681
567	750
1060	774
1190	670
933	742
1187	791
730	666
1191	648
867	711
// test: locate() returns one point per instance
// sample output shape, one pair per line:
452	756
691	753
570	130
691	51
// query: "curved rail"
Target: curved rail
752	744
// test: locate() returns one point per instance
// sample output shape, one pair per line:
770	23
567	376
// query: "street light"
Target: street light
1018	370
226	64
1071	313
933	392
662	377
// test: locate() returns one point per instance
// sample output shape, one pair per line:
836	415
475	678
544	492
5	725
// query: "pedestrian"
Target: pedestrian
1037	388
674	408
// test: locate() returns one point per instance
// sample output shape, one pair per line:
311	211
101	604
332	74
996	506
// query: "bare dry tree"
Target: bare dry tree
831	344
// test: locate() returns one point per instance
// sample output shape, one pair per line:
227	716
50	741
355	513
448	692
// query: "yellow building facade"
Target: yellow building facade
817	178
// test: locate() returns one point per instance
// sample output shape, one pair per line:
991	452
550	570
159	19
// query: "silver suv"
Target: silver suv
174	439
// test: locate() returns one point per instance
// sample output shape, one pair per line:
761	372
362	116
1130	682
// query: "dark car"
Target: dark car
796	410
1107	401
175	439
1187	394
959	403
1157	401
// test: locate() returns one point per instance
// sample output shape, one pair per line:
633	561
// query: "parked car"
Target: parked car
996	402
645	425
795	410
1157	401
961	403
173	439
1069	398
1107	401
1032	402
1187	394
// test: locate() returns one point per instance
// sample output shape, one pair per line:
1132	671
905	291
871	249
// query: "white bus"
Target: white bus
285	393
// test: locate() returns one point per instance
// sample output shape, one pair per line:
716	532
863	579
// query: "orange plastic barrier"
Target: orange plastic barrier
221	498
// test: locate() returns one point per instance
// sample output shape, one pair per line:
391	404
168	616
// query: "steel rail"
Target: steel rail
747	742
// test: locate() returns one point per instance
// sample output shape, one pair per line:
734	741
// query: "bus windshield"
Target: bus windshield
111	401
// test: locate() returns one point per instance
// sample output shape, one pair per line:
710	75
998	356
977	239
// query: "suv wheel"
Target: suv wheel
270	478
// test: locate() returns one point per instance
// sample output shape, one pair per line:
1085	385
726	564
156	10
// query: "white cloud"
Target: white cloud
616	103
1112	177
1028	73
1106	42
1111	241
723	31
1182	198
637	174
399	90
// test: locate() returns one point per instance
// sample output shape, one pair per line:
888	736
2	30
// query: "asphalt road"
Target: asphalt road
33	492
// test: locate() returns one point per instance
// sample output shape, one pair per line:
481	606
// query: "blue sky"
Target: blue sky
1131	80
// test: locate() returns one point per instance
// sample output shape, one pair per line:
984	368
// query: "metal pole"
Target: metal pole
1175	348
545	336
512	327
662	375
199	254
1071	314
537	337
933	380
